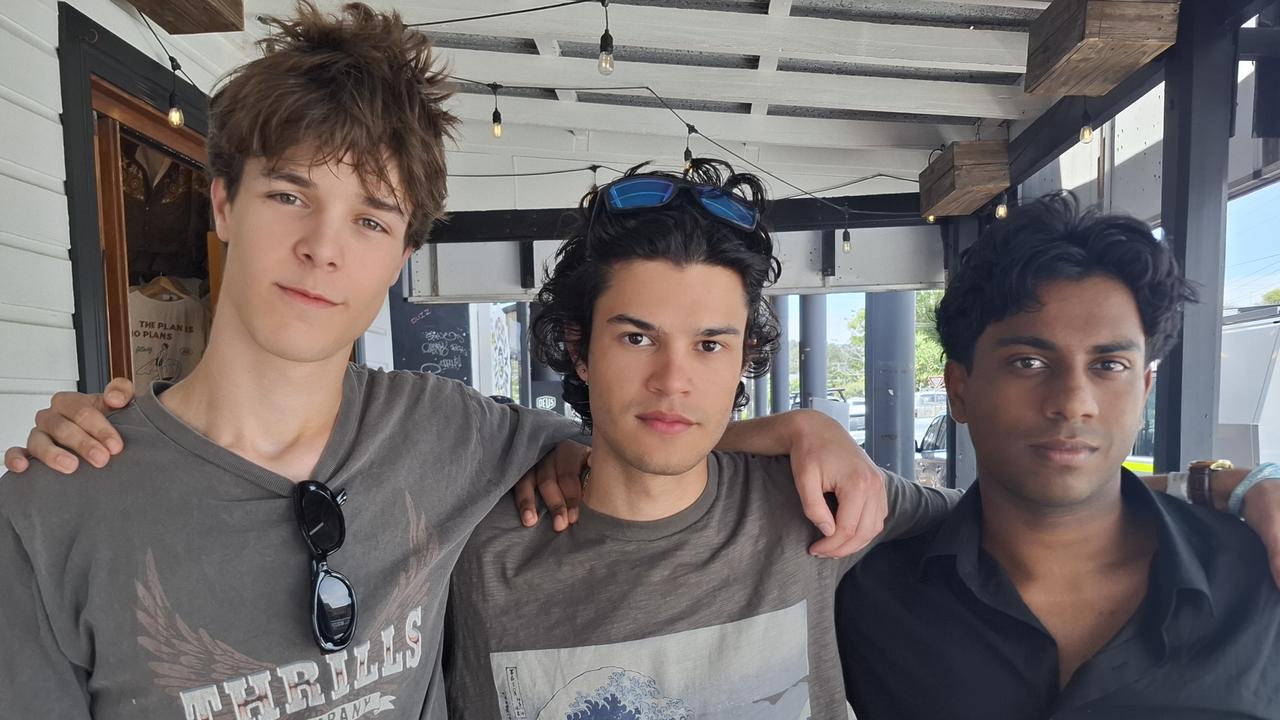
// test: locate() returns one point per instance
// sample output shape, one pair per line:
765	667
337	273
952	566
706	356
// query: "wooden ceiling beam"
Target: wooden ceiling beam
191	17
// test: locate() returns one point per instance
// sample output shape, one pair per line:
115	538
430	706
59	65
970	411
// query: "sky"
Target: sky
1253	246
1252	264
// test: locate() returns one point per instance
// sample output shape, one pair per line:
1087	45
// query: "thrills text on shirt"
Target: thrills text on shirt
251	696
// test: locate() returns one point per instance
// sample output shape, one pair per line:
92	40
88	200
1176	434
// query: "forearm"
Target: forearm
771	435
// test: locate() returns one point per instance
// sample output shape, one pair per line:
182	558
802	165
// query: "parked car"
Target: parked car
931	454
858	419
832	394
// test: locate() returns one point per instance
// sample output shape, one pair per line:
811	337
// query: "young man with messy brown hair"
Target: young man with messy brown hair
191	577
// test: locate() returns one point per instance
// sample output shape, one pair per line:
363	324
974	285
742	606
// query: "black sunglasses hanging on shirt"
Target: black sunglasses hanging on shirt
333	599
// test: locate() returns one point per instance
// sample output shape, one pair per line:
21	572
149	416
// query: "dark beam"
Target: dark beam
1260	43
828	253
1230	14
1058	129
794	214
1200	80
1264	43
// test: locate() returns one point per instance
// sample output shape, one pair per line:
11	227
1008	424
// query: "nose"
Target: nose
1071	396
320	244
671	372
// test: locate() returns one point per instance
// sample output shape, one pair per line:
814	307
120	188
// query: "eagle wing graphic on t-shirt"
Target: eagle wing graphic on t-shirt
184	657
411	583
187	658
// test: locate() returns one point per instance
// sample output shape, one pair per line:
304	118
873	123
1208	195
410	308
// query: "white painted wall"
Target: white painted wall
37	340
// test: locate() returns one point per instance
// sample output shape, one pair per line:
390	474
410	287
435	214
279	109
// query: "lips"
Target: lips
1064	451
307	297
666	423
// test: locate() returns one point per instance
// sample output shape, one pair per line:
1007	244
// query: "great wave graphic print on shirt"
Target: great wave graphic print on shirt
753	669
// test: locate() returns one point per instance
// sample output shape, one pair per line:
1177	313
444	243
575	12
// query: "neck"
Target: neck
272	411
619	489
1032	542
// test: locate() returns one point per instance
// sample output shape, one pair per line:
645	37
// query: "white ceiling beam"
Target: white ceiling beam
768	65
621	147
916	46
1022	4
550	47
759	129
852	92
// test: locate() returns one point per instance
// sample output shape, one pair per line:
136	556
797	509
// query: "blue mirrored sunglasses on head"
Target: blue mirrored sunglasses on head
645	192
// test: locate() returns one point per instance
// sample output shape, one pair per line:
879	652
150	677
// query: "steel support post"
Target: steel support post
1200	81
891	361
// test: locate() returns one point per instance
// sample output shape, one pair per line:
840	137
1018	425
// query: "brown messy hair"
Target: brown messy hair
356	87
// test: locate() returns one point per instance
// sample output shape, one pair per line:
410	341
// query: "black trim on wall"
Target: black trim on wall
85	48
793	214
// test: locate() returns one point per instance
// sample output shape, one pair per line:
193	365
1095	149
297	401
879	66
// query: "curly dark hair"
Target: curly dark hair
680	232
1051	239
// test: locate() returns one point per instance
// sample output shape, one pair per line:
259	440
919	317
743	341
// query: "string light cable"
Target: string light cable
175	115
507	13
692	130
537	173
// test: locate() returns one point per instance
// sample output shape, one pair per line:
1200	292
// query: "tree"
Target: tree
929	359
1272	297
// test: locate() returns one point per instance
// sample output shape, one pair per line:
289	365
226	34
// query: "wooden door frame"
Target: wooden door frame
115	109
87	50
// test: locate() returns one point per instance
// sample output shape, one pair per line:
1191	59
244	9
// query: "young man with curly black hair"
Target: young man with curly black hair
685	589
1061	586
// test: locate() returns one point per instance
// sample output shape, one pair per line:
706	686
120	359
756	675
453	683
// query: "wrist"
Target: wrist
1221	483
1264	474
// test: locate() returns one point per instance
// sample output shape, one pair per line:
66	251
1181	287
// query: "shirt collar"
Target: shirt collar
1177	571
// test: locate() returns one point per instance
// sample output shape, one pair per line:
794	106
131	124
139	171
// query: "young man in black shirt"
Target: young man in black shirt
1061	586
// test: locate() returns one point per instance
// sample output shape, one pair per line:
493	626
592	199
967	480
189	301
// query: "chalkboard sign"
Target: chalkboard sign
431	338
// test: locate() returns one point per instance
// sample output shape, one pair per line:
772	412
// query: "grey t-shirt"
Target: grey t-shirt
718	611
174	583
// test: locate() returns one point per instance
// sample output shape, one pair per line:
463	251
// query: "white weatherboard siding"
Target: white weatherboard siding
37	339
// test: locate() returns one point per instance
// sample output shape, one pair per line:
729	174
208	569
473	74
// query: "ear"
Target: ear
404	258
957	378
571	339
221	208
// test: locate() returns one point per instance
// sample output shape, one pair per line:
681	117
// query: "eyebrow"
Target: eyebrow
383	205
1039	343
290	177
624	319
294	178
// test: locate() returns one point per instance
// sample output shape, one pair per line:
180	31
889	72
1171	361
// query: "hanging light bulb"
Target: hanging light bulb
688	159
848	242
176	118
1086	129
931	219
605	63
1002	210
497	116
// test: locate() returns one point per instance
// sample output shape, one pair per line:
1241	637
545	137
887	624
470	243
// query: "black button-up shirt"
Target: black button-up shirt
931	627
